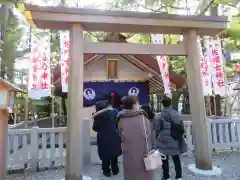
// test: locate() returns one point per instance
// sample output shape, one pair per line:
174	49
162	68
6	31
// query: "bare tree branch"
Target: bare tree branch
76	2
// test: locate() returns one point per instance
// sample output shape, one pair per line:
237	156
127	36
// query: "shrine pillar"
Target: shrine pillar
74	166
200	127
3	142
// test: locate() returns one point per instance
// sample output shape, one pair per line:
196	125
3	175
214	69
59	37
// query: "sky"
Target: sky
80	3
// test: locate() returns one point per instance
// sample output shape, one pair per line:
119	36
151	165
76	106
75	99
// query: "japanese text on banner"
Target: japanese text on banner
217	66
163	65
39	84
64	41
204	69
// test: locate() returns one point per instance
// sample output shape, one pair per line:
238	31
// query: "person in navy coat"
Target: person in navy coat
108	138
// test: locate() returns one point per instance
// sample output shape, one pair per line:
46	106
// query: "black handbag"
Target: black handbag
177	130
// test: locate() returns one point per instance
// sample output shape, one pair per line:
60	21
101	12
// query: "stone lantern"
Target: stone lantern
7	99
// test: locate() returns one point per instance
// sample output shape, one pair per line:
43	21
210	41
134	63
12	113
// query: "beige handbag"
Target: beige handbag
153	159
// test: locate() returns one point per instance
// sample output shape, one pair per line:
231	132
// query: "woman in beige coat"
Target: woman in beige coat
131	128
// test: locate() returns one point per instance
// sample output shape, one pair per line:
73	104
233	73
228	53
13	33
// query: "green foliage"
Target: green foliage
146	5
232	44
55	46
233	31
11	41
229	2
177	64
140	38
215	2
229	69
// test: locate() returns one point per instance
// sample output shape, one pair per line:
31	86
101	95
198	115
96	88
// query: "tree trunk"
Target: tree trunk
64	107
151	103
159	103
186	103
218	105
175	99
5	10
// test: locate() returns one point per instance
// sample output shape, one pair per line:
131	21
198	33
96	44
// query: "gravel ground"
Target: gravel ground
228	162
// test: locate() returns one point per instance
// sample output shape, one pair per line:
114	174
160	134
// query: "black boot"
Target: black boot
107	174
106	168
114	165
115	172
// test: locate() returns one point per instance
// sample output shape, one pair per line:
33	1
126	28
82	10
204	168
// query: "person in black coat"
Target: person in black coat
149	112
108	139
151	117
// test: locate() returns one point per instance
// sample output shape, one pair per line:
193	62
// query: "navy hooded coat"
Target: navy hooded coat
108	138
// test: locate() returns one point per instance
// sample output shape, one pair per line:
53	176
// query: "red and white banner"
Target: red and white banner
163	65
64	43
39	82
205	70
217	68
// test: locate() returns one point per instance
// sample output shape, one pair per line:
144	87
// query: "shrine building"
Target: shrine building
120	75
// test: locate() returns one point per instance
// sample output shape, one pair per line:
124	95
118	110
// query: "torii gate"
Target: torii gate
76	20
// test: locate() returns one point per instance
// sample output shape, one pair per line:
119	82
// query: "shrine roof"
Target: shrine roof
11	86
176	80
122	21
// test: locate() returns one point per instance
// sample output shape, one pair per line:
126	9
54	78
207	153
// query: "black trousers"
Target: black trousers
177	164
110	162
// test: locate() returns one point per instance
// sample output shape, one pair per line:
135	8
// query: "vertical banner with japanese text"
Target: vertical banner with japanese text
163	65
217	67
204	69
64	45
39	82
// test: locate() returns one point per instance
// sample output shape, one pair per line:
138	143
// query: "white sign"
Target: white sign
235	56
64	46
157	39
133	91
163	65
205	69
216	57
236	79
39	82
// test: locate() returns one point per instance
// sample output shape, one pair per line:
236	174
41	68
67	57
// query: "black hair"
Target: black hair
110	99
129	101
148	110
101	104
166	101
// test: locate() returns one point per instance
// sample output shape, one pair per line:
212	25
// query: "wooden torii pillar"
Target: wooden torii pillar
200	127
75	105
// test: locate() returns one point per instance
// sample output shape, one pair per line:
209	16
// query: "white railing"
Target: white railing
45	147
223	134
12	126
36	148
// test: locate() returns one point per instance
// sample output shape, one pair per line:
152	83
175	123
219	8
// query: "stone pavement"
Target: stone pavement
229	162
